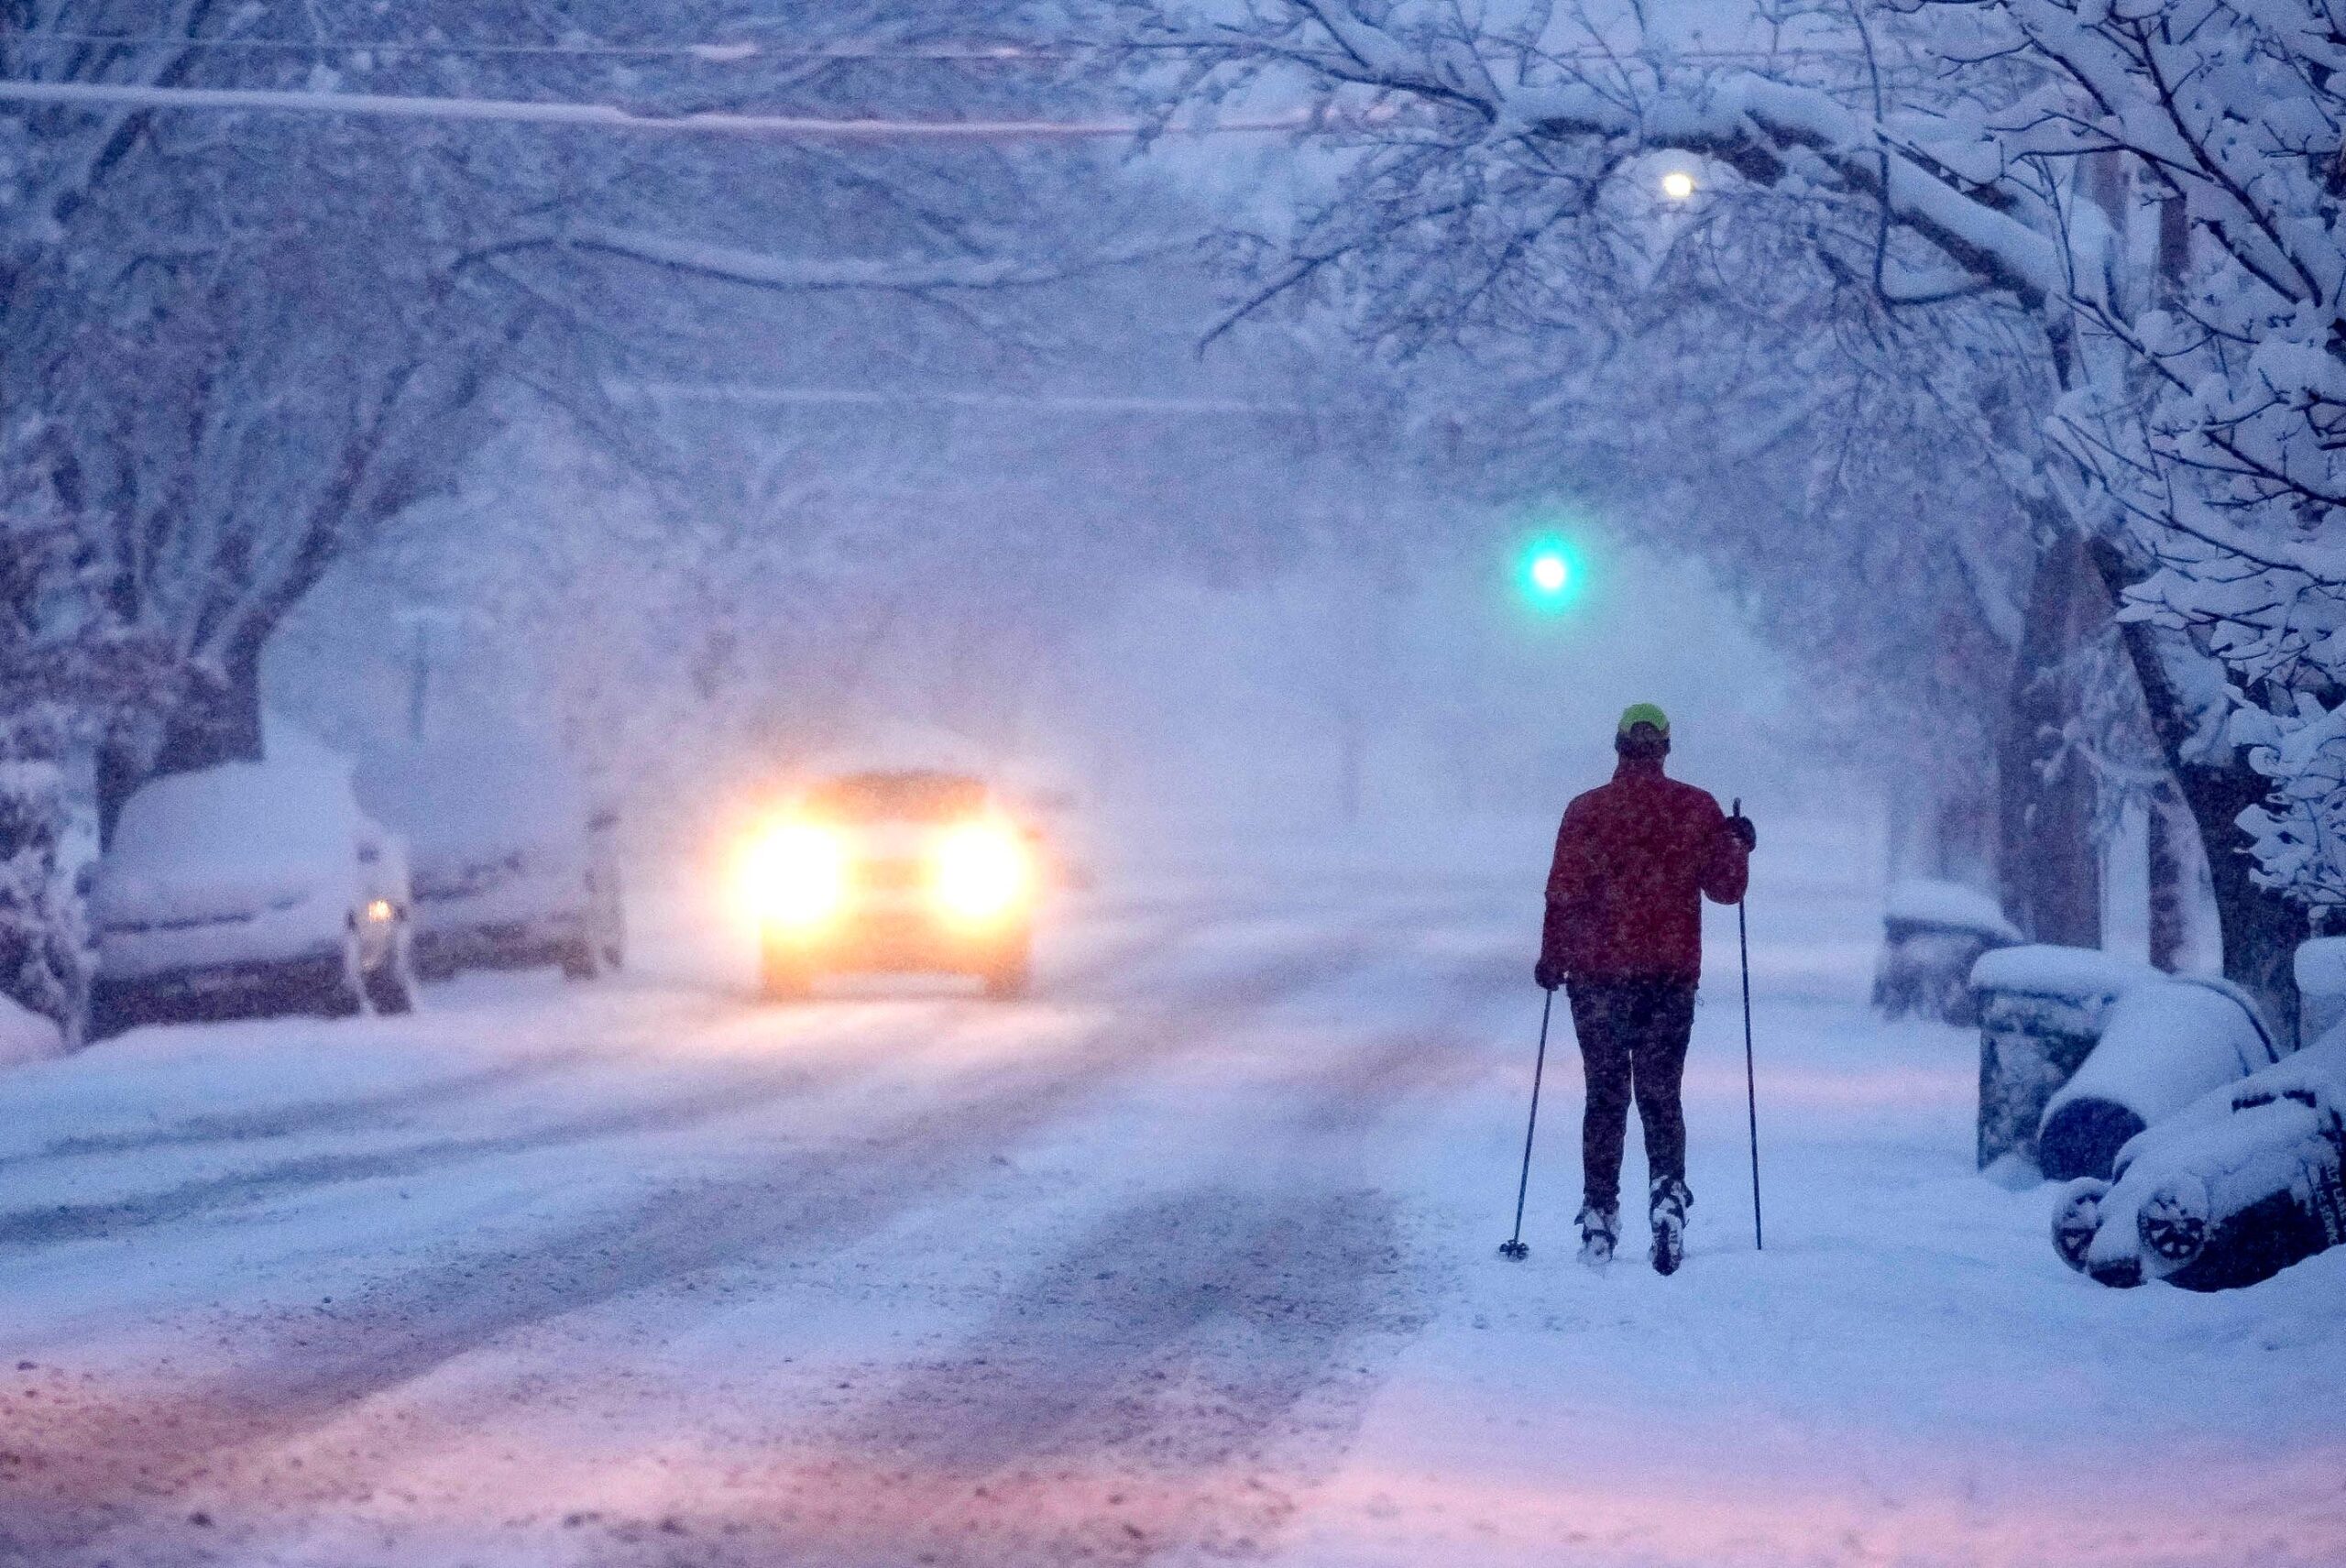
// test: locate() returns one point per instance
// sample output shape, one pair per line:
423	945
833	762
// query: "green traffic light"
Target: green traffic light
1550	574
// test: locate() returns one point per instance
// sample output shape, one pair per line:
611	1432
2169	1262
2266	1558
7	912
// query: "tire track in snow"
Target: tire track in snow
740	1088
87	1479
1161	1387
366	1113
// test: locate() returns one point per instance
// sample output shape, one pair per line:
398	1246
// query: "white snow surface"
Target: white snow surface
239	816
1190	1259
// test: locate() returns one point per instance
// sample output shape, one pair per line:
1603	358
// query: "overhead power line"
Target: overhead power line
729	52
611	116
737	51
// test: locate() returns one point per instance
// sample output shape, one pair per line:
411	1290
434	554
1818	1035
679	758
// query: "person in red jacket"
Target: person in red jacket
1635	857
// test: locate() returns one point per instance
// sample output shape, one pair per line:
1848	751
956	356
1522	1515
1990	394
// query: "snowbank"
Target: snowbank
26	1036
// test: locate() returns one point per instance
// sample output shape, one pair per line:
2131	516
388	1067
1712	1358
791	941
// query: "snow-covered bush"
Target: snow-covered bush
44	961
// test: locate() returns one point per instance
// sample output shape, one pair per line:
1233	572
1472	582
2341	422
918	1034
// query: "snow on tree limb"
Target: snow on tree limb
808	273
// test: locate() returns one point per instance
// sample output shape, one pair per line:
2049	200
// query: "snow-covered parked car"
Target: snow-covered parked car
2166	1043
256	883
513	864
1932	935
2244	1182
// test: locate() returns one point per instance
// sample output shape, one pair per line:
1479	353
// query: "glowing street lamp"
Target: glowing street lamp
1678	185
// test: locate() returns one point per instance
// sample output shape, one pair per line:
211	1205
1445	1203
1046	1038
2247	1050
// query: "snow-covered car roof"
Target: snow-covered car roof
473	794
239	815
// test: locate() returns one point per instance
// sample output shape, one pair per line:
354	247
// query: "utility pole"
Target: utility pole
419	684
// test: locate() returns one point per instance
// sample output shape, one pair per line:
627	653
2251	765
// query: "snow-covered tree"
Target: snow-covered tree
1998	147
256	339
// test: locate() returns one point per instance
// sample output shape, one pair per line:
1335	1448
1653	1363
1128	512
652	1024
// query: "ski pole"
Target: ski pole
1513	1247
1750	1075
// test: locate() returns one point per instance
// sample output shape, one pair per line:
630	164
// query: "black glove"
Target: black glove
1548	973
1742	828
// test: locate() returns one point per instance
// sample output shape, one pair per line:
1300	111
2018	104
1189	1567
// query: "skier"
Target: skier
1624	935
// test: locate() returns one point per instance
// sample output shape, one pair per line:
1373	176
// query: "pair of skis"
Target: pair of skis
1515	1248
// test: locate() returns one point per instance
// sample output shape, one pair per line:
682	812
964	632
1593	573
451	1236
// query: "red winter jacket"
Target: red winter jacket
1634	860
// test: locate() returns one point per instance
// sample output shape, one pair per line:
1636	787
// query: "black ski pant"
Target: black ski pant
1633	1036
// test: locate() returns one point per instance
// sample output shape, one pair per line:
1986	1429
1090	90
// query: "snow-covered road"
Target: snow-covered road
1189	1258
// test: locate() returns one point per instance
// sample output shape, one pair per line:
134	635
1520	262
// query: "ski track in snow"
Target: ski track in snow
1188	1260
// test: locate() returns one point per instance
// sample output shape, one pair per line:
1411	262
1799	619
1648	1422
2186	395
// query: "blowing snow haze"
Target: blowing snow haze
869	784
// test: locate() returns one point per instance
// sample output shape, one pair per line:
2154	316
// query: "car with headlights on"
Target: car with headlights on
258	885
514	865
897	871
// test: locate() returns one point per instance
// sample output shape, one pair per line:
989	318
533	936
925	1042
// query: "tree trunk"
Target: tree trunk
2177	869
2050	865
219	719
1352	765
216	720
2260	929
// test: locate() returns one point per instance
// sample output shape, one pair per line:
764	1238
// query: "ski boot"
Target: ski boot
1599	1229
1671	1201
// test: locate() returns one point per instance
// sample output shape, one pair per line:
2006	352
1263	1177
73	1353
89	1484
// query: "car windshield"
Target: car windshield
898	797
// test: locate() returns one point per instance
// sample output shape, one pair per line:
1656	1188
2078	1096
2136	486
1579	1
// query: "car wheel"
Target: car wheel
784	976
391	988
336	987
115	1009
614	926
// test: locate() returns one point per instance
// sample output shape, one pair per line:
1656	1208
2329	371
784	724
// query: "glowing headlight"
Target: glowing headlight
980	872
380	910
794	874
